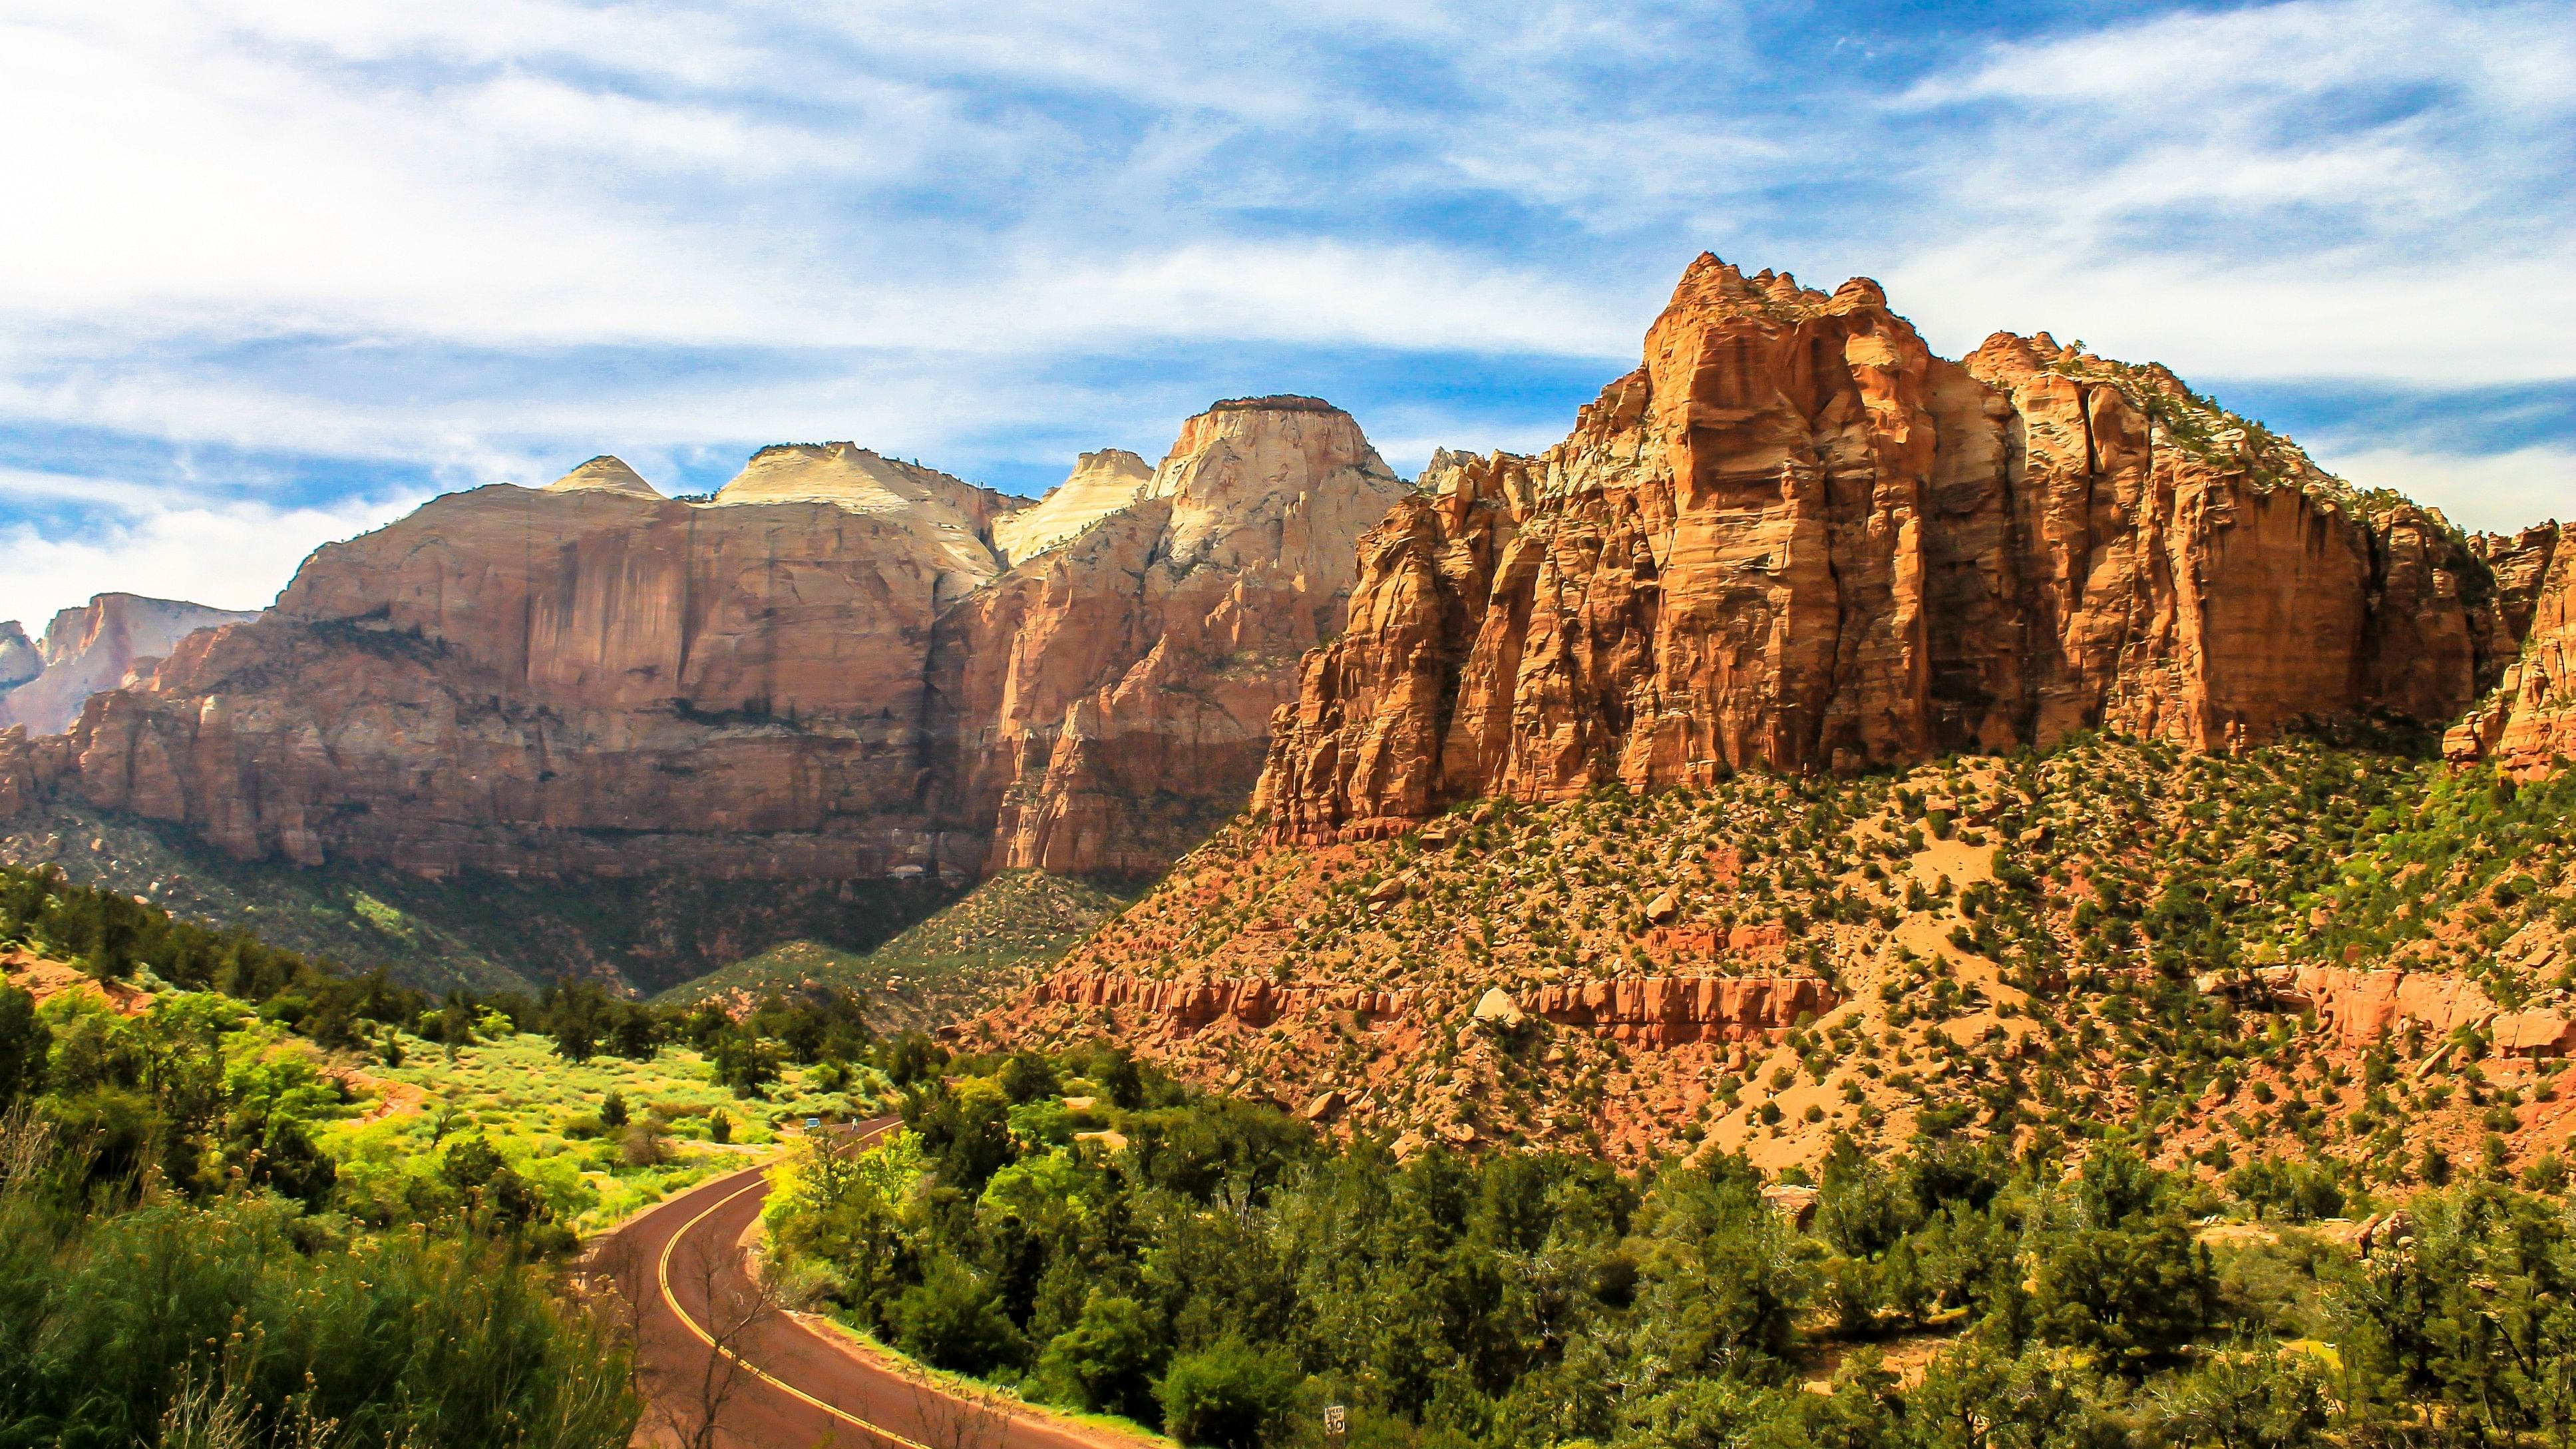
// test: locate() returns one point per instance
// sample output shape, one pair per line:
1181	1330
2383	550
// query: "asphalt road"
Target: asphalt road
790	1386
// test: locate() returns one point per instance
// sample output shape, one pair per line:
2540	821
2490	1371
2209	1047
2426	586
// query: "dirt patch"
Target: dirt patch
46	980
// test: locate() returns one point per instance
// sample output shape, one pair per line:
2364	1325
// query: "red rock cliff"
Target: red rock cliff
1796	538
1112	696
2528	724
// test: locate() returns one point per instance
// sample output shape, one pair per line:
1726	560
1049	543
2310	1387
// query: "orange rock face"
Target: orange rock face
1649	1011
1795	538
2528	724
1668	1010
830	669
1184	1006
2362	1008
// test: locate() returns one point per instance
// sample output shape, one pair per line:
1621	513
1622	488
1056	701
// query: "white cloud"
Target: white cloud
2497	492
529	221
231	554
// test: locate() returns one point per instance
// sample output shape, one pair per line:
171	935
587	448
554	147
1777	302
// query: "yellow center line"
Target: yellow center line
672	1301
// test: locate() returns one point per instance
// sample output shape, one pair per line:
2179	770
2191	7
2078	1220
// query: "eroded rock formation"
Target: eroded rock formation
2528	723
1668	1010
1112	697
2364	1008
92	648
1795	538
1647	1011
1190	1005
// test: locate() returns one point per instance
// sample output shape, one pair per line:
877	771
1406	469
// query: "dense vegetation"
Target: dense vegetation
1213	1268
182	1264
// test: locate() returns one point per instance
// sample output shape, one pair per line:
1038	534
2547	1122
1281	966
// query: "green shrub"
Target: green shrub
1229	1396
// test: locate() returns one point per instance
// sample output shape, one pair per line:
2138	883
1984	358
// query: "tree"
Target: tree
953	1319
1229	1396
1105	1363
24	1040
2119	1271
744	1062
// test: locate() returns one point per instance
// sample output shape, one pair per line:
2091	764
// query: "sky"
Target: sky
273	271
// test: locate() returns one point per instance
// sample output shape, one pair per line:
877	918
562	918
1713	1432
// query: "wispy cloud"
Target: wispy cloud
436	244
132	538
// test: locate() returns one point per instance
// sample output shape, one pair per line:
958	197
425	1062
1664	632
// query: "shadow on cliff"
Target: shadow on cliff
483	931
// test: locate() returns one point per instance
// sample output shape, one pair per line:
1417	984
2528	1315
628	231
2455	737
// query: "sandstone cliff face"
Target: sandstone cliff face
2528	724
591	678
1101	484
578	679
93	648
1111	698
1794	538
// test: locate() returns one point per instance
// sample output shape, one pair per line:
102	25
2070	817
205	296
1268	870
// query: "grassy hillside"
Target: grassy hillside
2032	947
484	932
992	939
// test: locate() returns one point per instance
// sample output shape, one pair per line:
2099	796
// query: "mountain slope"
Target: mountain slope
2118	932
989	942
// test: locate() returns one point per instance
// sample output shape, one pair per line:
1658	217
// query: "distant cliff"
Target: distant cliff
89	649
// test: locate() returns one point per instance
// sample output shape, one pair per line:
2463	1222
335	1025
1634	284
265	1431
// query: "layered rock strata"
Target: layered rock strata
1670	1010
1795	538
1184	1006
1646	1011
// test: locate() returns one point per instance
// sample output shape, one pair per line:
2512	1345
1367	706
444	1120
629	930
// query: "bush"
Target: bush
1228	1397
402	1339
954	1320
1105	1363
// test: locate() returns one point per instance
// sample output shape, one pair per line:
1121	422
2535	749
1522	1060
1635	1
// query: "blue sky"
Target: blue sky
272	272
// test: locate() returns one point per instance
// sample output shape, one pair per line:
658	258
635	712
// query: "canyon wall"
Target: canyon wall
831	668
1795	538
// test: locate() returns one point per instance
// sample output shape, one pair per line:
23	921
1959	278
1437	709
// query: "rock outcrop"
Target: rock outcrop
1112	697
1646	1011
2364	1008
1184	1006
2528	723
89	649
1668	1010
607	475
1795	538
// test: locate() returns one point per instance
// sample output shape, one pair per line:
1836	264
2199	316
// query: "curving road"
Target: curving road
781	1384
